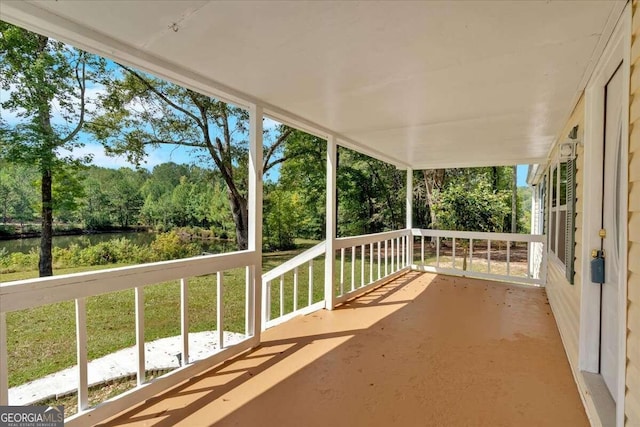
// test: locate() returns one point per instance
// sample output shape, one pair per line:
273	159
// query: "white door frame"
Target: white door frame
617	50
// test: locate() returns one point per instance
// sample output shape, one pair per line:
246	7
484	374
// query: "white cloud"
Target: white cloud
99	157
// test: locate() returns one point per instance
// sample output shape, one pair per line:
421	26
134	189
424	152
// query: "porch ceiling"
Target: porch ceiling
428	84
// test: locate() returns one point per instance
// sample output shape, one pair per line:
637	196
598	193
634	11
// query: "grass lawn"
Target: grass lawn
42	340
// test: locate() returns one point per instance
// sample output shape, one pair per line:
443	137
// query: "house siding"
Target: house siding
564	298
632	392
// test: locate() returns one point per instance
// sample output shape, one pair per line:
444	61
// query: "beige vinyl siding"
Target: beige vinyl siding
564	298
632	395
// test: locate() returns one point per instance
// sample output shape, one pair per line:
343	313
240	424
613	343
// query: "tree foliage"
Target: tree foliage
141	111
43	77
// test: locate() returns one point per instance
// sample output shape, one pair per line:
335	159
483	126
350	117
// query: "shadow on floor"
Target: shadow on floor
421	350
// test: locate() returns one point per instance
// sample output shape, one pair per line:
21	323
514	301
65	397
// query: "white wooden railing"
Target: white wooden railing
380	256
26	294
368	260
363	262
303	296
482	255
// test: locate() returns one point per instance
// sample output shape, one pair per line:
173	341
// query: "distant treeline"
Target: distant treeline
370	197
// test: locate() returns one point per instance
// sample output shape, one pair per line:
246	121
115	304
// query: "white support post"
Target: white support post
81	351
409	219
329	264
254	316
4	371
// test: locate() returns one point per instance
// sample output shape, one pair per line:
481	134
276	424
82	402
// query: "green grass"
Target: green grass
42	340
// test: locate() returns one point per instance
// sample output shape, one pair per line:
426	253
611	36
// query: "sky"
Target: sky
155	155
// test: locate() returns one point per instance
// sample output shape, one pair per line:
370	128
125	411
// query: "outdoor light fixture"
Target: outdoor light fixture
567	150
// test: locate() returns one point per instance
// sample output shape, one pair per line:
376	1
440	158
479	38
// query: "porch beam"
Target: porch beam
329	264
254	272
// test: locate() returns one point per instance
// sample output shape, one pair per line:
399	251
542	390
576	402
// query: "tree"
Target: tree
47	83
142	111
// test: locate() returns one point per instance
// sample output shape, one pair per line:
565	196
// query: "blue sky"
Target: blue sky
522	175
155	155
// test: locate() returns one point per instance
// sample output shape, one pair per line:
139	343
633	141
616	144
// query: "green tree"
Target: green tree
142	111
41	75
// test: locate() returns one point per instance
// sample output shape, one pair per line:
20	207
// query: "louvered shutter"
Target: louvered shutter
570	230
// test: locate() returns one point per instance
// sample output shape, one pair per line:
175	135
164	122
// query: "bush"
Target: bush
171	246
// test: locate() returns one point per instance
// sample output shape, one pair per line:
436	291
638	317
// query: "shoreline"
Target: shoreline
73	232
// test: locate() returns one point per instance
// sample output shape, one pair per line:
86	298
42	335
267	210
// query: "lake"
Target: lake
86	240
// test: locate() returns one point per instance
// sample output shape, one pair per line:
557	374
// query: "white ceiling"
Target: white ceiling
420	84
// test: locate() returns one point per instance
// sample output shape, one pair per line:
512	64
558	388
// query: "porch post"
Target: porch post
254	272
409	219
329	263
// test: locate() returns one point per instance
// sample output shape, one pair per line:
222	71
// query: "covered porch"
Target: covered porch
397	342
422	349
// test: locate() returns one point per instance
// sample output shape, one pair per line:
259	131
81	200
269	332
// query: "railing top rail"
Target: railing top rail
30	293
512	237
296	261
345	242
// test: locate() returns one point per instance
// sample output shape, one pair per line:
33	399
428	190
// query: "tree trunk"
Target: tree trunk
45	264
433	179
240	214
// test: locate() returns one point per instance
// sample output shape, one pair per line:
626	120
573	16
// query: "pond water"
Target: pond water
86	240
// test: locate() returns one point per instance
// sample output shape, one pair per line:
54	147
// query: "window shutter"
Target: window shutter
570	230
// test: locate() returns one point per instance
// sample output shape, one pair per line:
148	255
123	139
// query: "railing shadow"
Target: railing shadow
445	352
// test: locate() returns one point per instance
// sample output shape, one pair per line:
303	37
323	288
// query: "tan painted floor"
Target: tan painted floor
423	350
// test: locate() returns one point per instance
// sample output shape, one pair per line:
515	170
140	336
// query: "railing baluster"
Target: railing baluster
508	258
422	249
4	370
184	319
266	303
139	302
379	265
370	262
453	252
220	309
342	271
282	295
488	256
438	251
393	258
386	258
529	260
353	268
470	254
295	289
408	246
249	305
310	282
361	265
398	254
81	351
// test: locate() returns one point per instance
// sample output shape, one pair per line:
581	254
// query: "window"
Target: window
561	233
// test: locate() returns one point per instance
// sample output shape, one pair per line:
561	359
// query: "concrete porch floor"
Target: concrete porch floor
421	350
